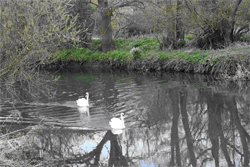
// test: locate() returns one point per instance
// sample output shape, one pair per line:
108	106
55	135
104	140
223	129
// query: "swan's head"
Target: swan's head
87	94
122	115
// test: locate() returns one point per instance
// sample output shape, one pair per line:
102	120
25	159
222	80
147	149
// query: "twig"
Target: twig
14	132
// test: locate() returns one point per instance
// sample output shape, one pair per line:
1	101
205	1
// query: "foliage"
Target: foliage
199	18
213	22
82	10
171	19
245	38
129	23
190	36
30	31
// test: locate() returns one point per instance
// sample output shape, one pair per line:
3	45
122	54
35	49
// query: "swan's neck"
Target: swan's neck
122	119
87	98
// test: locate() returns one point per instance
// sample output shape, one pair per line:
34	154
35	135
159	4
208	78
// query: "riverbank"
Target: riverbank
146	55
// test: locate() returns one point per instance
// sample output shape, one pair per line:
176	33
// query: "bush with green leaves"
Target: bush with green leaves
245	38
30	30
83	10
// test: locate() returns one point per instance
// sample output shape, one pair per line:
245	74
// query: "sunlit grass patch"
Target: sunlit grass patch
189	37
194	56
145	54
122	52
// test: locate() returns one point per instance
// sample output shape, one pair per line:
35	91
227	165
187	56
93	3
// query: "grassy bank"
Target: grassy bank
145	54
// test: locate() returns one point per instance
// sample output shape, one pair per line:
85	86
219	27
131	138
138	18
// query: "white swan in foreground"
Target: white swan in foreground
117	123
83	102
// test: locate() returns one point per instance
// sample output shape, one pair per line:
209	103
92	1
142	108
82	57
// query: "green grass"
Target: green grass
122	52
149	50
189	37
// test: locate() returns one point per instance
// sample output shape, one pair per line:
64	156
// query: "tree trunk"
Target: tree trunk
175	32
231	22
213	124
175	148
106	13
244	136
189	139
179	24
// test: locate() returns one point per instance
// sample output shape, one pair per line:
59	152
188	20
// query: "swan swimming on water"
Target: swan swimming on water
83	102
117	123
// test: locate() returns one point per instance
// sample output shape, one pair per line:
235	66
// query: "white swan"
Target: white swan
83	102
117	123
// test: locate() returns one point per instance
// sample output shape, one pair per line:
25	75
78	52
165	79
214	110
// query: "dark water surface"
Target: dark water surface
171	120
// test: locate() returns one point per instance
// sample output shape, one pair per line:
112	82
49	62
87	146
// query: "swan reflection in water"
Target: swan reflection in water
83	110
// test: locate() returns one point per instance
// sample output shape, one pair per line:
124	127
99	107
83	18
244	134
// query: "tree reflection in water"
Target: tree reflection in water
207	131
93	157
174	126
59	148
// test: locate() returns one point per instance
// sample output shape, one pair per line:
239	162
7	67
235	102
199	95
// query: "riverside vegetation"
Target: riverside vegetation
144	54
42	30
56	35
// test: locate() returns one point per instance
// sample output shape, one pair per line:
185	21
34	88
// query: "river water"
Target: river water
171	119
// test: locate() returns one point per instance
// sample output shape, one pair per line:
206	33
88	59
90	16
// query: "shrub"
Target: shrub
83	10
29	31
245	38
